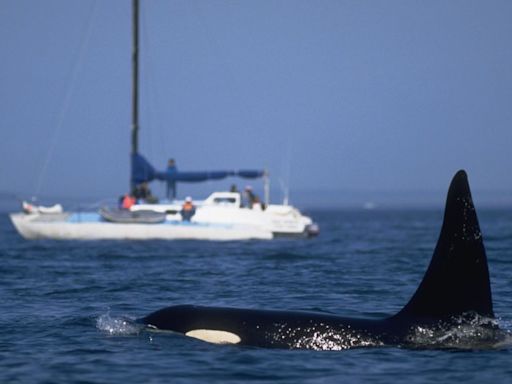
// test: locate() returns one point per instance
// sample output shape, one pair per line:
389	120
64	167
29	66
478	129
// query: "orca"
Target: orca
455	292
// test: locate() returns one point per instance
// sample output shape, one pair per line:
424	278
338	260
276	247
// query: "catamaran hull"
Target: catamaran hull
61	228
220	217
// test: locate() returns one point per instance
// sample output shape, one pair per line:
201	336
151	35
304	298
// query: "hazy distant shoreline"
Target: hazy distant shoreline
304	199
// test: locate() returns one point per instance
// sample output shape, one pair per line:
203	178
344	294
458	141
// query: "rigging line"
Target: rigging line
233	84
151	89
153	126
67	99
287	171
145	82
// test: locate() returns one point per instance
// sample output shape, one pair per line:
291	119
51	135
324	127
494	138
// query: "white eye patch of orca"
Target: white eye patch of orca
214	336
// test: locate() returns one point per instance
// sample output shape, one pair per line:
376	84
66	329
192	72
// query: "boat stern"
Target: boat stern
312	230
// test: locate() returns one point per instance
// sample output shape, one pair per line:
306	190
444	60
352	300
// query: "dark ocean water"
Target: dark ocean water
65	307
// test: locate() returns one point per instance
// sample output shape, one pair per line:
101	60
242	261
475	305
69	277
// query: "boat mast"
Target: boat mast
135	82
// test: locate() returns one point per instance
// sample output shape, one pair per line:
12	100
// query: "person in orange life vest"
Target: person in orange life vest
188	209
127	201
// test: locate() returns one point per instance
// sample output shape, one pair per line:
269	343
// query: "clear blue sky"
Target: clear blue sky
332	95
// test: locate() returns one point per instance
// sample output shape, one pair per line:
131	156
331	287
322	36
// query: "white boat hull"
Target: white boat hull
45	227
220	217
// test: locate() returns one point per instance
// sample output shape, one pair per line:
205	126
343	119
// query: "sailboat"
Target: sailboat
221	216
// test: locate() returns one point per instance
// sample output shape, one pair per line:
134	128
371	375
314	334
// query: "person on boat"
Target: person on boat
142	192
188	209
234	189
127	201
253	199
171	184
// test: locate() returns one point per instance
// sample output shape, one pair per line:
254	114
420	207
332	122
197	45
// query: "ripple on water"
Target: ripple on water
469	331
117	326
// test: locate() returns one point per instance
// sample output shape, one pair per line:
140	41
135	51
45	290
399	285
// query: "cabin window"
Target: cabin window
224	200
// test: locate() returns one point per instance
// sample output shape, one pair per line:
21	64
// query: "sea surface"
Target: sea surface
67	308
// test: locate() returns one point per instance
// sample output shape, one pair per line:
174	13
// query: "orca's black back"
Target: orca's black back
457	279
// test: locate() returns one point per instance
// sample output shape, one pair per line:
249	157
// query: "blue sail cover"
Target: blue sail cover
142	172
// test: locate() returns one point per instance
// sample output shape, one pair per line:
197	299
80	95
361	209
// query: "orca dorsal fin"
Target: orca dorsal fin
457	279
